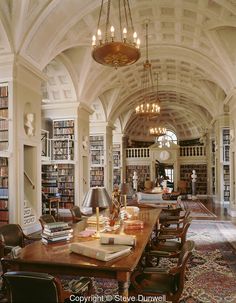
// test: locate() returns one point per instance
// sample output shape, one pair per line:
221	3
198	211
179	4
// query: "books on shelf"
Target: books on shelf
94	249
118	239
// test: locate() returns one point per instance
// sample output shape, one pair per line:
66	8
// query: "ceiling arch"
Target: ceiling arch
192	46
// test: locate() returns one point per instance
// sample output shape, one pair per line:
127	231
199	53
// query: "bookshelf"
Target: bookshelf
4	213
143	172
226	167
63	139
201	171
213	174
58	180
97	160
116	164
226	144
3	117
66	184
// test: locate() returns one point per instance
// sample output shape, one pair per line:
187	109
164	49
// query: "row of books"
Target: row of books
56	232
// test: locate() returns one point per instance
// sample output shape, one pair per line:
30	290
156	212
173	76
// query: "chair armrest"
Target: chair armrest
32	238
158	253
150	270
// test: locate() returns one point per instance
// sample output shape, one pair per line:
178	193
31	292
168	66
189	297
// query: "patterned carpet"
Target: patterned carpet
211	275
198	209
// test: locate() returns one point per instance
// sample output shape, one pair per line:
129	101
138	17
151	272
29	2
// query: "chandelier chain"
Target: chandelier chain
100	14
120	21
107	20
130	16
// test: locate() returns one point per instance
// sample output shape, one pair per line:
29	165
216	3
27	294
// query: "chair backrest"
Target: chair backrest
76	213
31	287
179	271
13	235
182	186
47	218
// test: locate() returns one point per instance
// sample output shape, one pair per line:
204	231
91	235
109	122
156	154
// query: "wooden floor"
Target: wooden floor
221	211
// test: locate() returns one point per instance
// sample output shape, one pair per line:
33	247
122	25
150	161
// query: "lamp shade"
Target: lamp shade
97	197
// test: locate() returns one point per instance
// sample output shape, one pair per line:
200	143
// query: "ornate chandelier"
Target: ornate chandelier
150	100
107	50
157	131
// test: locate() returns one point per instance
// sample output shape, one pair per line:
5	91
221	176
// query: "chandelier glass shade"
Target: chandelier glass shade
110	50
149	104
157	131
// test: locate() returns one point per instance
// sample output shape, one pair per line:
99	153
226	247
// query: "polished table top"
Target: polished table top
57	259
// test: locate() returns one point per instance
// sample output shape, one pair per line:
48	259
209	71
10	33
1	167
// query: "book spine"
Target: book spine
111	241
63	232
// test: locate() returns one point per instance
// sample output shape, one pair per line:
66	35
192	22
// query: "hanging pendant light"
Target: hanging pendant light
150	101
108	49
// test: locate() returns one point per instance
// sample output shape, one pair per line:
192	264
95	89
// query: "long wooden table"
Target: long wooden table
57	260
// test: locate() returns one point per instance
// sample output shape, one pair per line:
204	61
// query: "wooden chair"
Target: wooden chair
170	242
76	213
153	281
47	218
12	235
35	287
183	186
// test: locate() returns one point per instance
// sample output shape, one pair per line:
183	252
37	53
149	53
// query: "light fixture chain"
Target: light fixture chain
126	18
130	16
147	42
99	18
107	20
120	21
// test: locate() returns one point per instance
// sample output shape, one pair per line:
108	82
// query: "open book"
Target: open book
94	249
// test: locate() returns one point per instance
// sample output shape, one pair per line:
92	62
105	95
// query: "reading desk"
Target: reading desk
56	259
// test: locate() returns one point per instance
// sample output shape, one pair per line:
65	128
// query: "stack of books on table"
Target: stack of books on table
56	232
133	224
92	222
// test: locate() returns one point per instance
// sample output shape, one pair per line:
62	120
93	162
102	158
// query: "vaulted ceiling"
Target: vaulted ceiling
192	47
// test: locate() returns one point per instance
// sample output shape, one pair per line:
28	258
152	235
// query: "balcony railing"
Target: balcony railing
57	149
184	151
137	152
192	151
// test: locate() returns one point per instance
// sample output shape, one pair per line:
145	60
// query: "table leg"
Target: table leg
123	285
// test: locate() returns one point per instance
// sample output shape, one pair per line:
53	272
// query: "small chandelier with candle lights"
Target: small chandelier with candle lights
107	48
157	131
150	100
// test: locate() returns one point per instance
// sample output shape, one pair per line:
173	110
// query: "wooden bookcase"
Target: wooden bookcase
4	117
63	148
116	164
201	171
66	184
143	172
226	167
4	213
97	160
58	181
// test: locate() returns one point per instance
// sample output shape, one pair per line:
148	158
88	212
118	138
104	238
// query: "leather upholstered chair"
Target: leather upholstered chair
76	214
153	281
47	218
12	235
35	287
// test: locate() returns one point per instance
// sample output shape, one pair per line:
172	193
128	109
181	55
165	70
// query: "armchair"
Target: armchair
35	287
46	218
12	235
158	282
76	213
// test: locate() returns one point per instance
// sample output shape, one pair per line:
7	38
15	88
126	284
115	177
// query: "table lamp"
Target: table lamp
98	199
124	190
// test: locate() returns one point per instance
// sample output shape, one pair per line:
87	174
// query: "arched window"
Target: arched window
165	140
